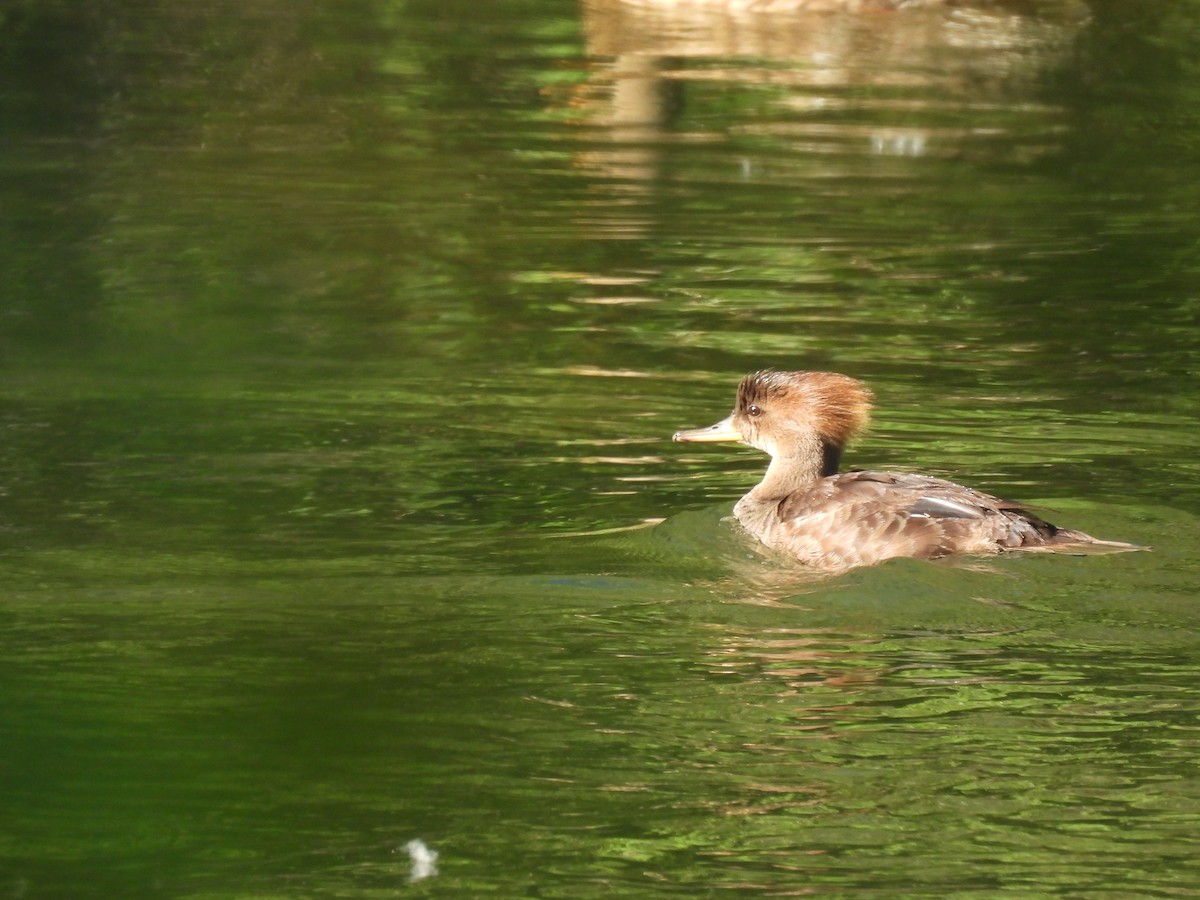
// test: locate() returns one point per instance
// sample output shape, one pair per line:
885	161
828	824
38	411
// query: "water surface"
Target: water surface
341	347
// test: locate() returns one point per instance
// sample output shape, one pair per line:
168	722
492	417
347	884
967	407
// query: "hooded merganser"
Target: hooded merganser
804	508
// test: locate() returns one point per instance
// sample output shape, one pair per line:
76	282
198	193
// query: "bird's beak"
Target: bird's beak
722	431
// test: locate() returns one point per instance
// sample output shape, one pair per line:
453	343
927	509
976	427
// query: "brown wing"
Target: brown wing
860	518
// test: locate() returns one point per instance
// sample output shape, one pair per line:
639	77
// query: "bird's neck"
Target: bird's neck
795	469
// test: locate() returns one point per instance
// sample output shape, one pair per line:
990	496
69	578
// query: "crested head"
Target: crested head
835	406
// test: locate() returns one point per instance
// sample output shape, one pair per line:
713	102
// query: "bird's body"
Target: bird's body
805	509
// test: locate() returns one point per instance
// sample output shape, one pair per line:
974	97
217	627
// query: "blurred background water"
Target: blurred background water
341	344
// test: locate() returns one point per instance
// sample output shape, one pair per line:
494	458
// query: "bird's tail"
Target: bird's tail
1066	540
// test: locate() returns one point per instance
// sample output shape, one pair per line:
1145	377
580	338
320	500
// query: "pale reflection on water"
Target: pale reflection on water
831	84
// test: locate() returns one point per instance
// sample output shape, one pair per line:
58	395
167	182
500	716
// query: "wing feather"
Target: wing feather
859	518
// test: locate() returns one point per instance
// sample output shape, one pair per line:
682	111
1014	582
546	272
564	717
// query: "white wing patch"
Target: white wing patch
940	507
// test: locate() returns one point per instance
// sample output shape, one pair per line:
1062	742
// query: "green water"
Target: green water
340	348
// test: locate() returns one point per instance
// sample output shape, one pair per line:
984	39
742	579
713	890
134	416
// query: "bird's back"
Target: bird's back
861	518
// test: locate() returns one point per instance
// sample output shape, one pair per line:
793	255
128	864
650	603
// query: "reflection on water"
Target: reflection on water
831	83
973	49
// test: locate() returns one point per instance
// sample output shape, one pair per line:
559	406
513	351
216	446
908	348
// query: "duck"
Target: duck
831	520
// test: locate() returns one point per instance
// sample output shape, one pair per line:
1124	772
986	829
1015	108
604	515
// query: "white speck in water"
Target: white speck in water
424	860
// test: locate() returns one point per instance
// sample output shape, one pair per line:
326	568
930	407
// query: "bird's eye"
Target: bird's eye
753	410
